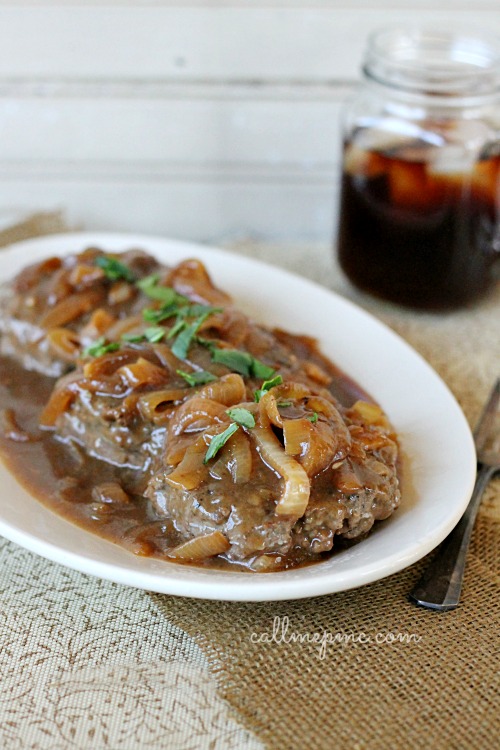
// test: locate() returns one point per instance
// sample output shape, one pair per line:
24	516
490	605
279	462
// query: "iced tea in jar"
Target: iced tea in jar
419	220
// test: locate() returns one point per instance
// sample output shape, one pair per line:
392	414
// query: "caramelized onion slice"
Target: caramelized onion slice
208	545
371	414
155	406
100	321
370	438
110	492
191	471
197	414
296	435
70	308
235	458
132	324
266	563
315	446
295	495
269	411
239	461
59	402
166	358
120	292
346	480
191	279
228	390
141	373
175	448
315	372
84	274
64	343
268	404
30	275
108	364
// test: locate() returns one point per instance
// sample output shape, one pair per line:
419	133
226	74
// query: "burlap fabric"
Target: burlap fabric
393	675
389	675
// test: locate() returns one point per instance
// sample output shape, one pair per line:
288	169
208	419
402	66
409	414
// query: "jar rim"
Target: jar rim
448	63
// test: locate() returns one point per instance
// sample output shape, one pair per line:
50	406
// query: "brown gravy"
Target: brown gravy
62	476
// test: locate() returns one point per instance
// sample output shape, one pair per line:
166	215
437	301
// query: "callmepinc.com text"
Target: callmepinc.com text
282	633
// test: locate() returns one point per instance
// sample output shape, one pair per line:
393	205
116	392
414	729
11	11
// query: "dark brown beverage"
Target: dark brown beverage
417	236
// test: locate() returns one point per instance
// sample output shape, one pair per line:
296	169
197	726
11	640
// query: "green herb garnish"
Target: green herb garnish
233	359
186	336
266	386
99	347
313	418
152	289
197	378
207	343
260	370
113	269
178	326
132	337
154	334
171	309
241	362
151	315
242	416
183	341
192	311
283	404
218	441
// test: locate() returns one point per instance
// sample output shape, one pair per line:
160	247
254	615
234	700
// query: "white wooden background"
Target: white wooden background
203	120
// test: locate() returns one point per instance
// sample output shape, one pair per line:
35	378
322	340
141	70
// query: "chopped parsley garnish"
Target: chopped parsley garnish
192	311
99	347
152	289
183	341
218	441
182	312
260	370
151	315
313	418
266	386
283	404
178	326
242	416
113	269
154	334
132	337
207	343
197	378
233	359
241	362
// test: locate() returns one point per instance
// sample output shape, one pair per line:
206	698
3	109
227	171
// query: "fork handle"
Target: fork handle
440	586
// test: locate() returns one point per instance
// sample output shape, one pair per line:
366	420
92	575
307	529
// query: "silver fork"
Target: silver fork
440	586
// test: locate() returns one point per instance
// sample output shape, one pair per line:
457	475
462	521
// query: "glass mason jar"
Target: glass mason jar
419	220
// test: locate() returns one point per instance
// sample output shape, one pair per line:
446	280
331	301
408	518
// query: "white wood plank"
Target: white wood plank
202	43
178	131
205	211
146	172
199	119
302	4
